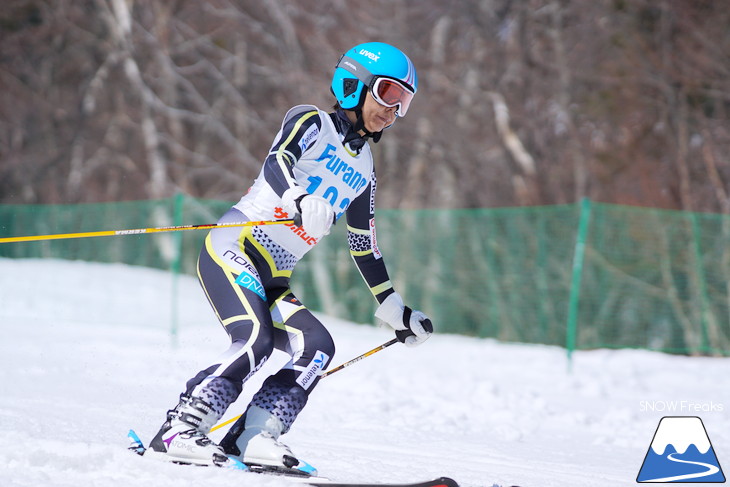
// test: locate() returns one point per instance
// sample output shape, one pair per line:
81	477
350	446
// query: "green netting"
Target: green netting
160	250
656	279
641	278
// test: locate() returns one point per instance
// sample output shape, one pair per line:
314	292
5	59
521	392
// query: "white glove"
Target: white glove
317	214
411	327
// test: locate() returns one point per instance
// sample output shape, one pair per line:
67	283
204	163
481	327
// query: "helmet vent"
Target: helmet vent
349	86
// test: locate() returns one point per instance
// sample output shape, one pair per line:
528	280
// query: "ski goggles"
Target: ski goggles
390	92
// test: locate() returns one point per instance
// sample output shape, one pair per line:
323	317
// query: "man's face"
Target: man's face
377	116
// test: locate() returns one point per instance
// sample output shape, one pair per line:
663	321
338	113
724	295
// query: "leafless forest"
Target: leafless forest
520	102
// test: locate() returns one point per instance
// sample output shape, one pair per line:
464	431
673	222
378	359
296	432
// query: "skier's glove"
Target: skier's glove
317	214
411	327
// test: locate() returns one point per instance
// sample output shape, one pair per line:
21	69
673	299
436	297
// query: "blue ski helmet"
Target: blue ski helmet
360	67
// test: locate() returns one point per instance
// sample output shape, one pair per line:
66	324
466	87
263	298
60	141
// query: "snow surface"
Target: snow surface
86	353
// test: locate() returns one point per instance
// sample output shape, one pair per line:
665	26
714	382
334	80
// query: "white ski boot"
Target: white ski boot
254	440
182	439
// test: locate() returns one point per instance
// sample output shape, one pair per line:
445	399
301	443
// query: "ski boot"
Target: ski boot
254	440
182	439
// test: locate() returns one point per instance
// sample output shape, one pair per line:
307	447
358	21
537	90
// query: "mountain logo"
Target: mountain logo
680	452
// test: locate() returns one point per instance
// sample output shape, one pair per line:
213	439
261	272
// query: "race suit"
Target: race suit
245	271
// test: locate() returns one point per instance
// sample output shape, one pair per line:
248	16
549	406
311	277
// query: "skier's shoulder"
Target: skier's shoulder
304	113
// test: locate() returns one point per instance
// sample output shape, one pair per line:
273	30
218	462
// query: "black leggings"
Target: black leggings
250	295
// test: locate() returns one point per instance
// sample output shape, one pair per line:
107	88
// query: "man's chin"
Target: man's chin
380	127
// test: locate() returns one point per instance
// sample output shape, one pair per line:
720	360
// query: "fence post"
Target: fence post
578	257
701	284
177	218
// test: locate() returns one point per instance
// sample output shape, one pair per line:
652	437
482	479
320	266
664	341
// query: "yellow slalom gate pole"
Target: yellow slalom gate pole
140	231
331	371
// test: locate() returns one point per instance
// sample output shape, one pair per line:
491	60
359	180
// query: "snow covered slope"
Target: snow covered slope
86	353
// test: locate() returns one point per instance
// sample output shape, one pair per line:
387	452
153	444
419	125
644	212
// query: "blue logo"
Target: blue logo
321	360
680	452
311	371
251	283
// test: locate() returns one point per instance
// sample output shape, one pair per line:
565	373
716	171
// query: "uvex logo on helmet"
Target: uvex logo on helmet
368	54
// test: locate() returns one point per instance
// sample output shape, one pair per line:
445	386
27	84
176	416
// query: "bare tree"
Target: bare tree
520	102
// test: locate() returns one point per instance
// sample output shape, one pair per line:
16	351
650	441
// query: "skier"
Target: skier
320	166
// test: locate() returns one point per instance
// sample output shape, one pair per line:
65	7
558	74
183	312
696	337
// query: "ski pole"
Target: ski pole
360	357
331	371
138	231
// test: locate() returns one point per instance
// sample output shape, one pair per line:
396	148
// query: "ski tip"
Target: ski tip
135	444
446	482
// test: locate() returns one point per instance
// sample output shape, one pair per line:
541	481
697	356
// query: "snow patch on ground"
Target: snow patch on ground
86	353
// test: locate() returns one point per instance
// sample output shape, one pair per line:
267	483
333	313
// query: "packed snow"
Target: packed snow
86	353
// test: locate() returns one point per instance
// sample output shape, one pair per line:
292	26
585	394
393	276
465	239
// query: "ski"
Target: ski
439	482
138	447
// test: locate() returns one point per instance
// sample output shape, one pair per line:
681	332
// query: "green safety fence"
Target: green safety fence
582	276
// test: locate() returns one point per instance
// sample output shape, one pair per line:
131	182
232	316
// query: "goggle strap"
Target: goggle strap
356	68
